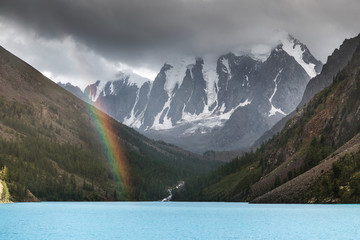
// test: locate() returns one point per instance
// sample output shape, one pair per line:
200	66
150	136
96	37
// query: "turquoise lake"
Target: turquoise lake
174	220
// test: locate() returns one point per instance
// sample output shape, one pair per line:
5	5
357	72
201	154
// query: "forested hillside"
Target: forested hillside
56	147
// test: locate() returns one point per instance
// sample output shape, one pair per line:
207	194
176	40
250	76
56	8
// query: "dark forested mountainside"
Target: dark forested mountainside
53	147
315	158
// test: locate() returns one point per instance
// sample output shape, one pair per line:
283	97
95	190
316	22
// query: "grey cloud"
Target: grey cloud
147	32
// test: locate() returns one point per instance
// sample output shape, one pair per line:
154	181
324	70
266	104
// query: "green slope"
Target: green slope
53	151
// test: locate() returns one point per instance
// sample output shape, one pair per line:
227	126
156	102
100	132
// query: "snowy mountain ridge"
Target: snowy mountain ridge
296	49
205	97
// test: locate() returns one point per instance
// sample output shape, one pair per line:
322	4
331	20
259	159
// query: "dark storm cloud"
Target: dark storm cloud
141	32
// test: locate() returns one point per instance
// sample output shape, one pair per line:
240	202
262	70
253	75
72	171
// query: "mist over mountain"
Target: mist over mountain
219	103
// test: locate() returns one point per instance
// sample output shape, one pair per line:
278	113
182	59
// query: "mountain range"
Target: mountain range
315	158
220	103
55	146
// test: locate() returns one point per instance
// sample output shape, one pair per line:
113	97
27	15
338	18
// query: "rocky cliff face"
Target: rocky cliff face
219	104
335	63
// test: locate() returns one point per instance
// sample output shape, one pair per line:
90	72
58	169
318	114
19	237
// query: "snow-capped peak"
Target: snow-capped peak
99	87
175	75
295	49
132	78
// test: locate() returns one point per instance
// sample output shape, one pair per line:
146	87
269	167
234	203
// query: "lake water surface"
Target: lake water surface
173	220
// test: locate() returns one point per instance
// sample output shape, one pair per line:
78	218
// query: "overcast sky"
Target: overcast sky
84	40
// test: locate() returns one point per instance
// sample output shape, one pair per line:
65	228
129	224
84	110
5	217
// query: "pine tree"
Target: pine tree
4	173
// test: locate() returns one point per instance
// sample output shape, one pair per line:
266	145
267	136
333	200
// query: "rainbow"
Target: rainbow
113	149
104	125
